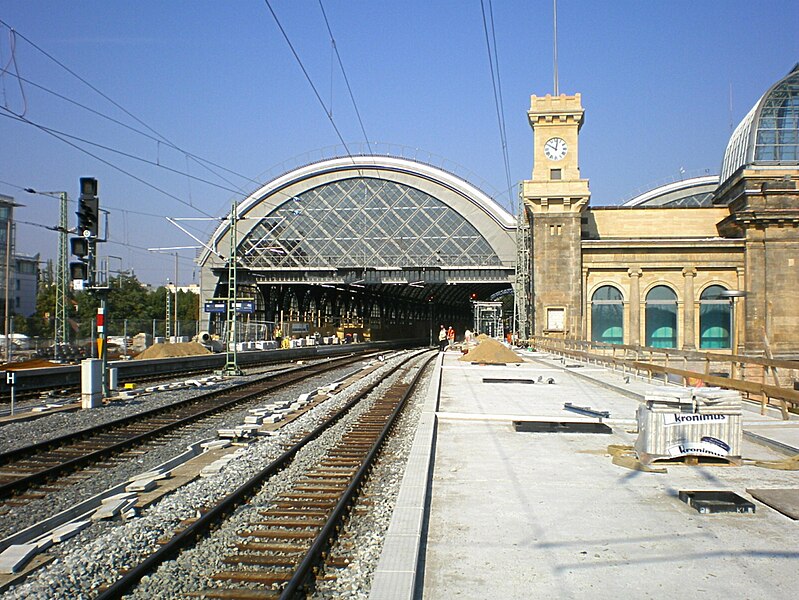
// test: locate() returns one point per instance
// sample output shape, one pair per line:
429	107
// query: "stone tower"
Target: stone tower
555	200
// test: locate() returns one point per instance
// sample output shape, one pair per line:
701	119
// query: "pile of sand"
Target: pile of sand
491	352
174	350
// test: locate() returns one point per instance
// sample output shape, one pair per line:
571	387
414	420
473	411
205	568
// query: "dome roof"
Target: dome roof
769	133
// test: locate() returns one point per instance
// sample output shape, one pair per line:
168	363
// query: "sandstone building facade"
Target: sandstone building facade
702	266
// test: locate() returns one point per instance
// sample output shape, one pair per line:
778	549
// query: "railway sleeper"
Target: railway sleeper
292	503
253	576
295	548
283	522
292	513
279	534
236	594
262	560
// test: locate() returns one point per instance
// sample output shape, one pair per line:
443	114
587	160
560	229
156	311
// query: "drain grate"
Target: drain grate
561	427
707	502
500	380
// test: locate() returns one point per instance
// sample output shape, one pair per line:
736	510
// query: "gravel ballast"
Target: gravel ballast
93	558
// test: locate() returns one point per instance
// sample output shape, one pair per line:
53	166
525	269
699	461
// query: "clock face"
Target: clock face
555	148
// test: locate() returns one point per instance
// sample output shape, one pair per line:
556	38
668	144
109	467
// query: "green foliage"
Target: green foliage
127	299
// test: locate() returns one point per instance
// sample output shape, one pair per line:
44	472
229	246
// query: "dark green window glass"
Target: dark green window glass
661	317
715	319
607	316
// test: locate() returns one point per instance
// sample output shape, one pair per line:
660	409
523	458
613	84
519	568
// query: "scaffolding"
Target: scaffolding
522	284
488	319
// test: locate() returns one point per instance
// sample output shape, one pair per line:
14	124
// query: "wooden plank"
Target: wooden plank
785	501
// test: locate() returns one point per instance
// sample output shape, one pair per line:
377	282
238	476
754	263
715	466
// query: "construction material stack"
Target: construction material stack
676	422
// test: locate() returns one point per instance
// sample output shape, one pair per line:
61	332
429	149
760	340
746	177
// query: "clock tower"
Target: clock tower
555	200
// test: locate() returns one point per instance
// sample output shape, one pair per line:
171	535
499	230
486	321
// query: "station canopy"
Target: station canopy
372	221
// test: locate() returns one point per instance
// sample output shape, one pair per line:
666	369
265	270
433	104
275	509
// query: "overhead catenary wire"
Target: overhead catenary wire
493	61
144	134
121	153
105	96
107	163
308	78
12	40
346	79
157	137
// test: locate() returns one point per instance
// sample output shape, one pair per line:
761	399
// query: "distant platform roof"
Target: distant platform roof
693	192
373	212
769	133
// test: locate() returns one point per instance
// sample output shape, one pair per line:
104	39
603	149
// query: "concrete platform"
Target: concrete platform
527	515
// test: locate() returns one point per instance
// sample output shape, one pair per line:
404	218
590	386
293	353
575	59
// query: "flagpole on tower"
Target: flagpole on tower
555	41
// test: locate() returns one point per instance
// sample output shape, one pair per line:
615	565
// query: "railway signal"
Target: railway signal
79	270
88	208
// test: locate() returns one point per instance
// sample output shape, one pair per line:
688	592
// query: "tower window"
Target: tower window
555	174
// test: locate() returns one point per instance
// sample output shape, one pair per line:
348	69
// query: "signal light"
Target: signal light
79	246
88	207
78	270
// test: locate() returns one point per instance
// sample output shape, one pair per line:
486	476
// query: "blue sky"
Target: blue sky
662	84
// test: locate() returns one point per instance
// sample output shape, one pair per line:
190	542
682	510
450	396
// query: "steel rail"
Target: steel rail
186	538
323	540
32	382
238	395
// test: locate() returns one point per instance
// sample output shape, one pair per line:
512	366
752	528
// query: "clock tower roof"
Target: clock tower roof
563	109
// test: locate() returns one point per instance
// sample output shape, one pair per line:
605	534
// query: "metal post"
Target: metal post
60	333
10	377
168	312
7	285
177	323
125	337
102	339
231	357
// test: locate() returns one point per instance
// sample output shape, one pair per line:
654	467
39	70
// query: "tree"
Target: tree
127	300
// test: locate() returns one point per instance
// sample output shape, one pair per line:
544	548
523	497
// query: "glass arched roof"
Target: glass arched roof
376	212
686	193
769	133
364	222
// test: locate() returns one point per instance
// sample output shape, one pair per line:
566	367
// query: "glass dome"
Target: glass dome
769	133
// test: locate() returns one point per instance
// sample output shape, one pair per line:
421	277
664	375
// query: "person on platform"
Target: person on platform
279	336
450	335
442	338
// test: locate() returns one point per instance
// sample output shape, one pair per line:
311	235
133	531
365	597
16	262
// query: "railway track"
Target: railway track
288	535
42	464
59	380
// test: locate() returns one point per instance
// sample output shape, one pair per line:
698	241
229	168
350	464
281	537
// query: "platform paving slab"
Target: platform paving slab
526	515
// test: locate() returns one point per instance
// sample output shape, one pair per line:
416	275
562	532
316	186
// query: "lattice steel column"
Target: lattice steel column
61	283
231	358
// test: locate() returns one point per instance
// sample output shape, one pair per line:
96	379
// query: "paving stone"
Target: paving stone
13	558
67	531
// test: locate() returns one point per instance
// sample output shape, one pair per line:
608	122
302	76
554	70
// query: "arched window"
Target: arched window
607	316
661	317
715	318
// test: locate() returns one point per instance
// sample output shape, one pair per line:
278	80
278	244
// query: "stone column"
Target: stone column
586	306
739	316
688	309
635	306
